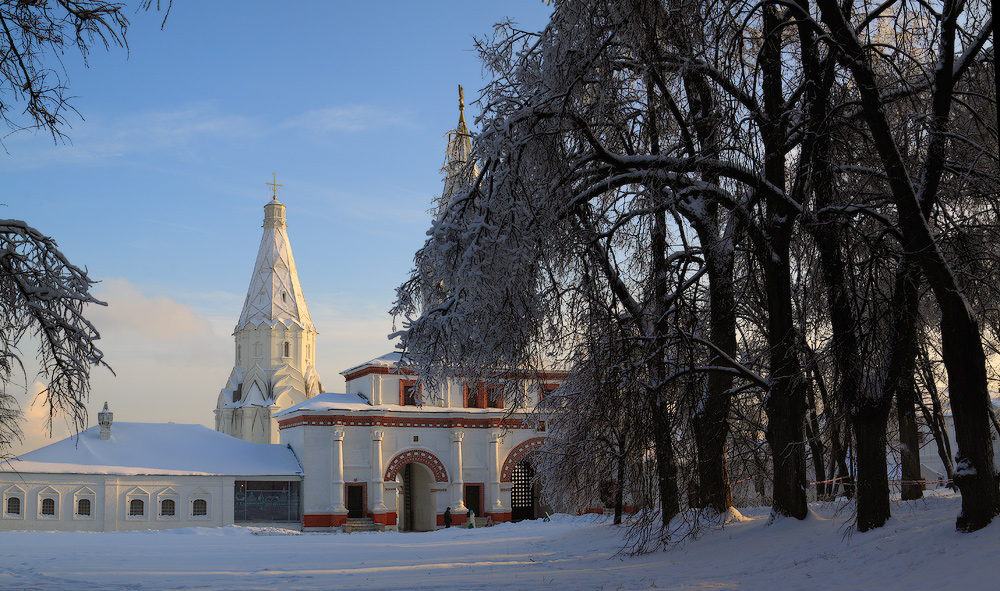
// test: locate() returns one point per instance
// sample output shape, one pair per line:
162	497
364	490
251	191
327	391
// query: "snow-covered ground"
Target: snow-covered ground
918	549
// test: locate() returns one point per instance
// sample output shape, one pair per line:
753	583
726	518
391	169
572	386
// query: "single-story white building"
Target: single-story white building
142	476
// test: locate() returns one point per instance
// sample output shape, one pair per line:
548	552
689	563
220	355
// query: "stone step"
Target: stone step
362	524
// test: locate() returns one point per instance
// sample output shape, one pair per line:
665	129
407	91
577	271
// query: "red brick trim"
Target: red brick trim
517	454
317	520
339	520
366	371
388	518
419	456
411	422
499	517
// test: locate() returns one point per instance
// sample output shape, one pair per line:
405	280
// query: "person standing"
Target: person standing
447	517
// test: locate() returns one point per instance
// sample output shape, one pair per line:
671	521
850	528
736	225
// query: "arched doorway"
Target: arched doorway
415	501
523	496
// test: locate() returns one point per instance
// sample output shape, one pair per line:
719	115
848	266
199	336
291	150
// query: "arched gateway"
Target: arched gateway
518	471
415	473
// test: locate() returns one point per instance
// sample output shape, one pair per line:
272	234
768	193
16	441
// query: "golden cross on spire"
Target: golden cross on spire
274	185
461	98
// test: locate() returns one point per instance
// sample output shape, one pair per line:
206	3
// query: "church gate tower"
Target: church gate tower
275	341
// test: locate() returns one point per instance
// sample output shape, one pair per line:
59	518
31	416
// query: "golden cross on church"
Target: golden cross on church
274	185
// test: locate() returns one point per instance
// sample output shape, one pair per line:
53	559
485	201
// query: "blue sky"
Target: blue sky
160	192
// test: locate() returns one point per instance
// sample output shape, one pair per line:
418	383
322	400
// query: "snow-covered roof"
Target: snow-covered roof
275	295
387	360
157	448
330	401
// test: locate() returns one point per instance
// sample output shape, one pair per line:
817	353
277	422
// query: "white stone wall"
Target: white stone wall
110	497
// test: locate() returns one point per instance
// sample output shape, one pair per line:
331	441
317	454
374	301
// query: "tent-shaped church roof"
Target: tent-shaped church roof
275	294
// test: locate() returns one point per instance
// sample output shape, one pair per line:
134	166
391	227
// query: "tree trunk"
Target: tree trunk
817	448
909	441
786	402
711	422
873	479
666	469
619	486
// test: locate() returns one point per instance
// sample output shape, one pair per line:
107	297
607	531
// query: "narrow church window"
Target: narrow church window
48	506
83	507
238	354
288	349
199	508
494	397
167	508
409	393
256	349
14	506
136	508
475	397
284	299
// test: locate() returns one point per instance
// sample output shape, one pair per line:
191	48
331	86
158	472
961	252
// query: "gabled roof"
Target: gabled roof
275	295
157	448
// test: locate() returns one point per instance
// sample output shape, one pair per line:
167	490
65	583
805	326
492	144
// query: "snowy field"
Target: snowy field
919	549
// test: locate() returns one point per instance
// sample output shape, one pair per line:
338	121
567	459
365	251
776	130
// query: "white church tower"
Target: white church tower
275	341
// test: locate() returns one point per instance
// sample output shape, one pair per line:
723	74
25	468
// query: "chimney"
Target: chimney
104	420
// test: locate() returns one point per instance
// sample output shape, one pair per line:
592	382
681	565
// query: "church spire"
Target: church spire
275	340
459	169
275	294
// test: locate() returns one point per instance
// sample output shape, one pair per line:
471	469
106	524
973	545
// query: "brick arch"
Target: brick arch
517	454
419	456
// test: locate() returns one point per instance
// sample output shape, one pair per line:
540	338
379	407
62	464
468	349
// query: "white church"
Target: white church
376	455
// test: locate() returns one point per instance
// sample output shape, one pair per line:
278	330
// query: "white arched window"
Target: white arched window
286	349
256	349
239	354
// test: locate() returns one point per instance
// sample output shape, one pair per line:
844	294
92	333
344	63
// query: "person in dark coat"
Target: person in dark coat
447	517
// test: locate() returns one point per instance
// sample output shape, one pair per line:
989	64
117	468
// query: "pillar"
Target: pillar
337	471
494	506
457	481
380	513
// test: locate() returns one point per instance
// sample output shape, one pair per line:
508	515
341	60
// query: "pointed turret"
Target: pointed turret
275	341
275	294
459	169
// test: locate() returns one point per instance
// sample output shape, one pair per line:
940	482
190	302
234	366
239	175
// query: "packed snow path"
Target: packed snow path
918	549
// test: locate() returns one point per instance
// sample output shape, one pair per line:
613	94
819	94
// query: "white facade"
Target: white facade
373	453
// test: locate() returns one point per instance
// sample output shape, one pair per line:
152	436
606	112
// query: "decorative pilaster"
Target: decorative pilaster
378	503
339	509
457	480
493	504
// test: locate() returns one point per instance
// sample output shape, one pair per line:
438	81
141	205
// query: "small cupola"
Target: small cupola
104	419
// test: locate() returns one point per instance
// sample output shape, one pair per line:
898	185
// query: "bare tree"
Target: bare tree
43	294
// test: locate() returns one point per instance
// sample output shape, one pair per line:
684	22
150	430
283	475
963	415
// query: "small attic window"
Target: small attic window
284	298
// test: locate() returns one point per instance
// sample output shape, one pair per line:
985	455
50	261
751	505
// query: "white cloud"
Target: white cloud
168	361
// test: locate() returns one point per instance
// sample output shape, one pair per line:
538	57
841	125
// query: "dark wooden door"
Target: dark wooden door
355	501
474	492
